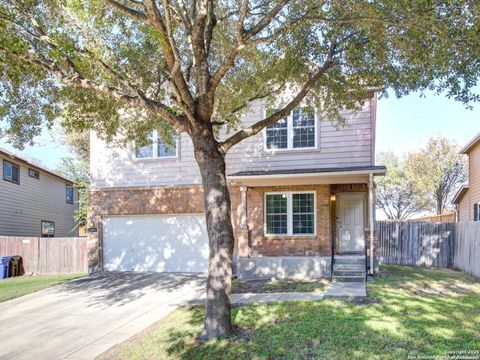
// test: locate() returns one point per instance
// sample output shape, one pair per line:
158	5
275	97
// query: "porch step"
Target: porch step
348	278
348	272
350	259
360	267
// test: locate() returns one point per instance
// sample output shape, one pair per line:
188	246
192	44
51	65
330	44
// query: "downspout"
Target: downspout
372	222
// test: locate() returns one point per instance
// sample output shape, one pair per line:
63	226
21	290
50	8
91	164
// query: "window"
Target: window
276	213
33	173
290	213
296	131
158	148
69	194
476	212
11	172
48	229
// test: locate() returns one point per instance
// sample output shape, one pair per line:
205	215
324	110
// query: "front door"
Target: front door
351	222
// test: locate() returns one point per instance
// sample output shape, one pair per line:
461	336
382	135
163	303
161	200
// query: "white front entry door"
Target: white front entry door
170	243
351	222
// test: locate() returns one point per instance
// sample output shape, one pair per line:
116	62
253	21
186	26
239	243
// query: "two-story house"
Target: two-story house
35	201
302	191
467	198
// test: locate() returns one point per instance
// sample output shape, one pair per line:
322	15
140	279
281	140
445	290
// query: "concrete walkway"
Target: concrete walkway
83	318
336	289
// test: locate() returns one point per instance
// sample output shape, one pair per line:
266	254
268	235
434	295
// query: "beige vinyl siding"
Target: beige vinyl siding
474	177
351	145
464	208
24	206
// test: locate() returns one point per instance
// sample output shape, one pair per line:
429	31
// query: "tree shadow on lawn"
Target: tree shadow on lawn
401	324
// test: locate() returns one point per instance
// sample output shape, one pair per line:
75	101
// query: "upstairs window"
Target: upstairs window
476	212
296	131
69	194
158	148
34	173
11	172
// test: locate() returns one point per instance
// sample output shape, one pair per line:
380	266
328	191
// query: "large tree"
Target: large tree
123	67
437	171
396	193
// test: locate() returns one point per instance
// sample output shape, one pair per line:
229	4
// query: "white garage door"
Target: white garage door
170	243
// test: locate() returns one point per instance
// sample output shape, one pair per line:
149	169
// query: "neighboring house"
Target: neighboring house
34	201
300	189
467	198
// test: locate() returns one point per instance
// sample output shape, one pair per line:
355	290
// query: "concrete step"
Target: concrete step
337	272
349	266
348	278
349	260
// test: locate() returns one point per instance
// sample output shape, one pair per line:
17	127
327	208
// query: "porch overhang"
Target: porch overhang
307	176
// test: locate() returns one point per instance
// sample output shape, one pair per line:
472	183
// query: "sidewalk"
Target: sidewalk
337	289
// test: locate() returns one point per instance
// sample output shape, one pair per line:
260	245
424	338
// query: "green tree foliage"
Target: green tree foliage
437	171
396	194
76	170
124	67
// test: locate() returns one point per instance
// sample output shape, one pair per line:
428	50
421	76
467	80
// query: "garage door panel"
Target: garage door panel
171	243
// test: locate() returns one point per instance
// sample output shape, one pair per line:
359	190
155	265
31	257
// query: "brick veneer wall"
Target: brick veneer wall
261	245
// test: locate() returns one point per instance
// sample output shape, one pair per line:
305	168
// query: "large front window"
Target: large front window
296	131
157	147
290	213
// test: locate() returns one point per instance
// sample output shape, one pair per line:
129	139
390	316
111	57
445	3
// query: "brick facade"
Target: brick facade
189	199
261	245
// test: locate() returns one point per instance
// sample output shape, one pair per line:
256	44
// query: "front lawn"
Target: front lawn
14	287
409	311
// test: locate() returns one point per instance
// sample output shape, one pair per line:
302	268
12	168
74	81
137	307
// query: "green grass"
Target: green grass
14	287
416	312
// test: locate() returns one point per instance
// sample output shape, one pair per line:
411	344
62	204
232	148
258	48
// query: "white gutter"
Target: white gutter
297	175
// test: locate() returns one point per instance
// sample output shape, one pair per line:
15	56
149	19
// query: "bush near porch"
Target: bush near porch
409	311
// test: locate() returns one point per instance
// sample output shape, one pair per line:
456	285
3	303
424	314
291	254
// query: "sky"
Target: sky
403	125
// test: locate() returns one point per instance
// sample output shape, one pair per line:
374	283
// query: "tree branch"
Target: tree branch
272	119
125	10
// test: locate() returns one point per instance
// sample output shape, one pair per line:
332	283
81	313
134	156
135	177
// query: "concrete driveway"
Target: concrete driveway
83	318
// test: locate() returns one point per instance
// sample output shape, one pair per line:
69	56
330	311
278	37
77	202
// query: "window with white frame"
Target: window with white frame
296	131
290	213
476	212
157	147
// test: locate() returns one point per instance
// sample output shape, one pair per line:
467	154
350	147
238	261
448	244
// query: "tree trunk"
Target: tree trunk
220	233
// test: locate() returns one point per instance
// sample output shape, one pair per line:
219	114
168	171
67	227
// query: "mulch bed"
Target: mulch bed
279	286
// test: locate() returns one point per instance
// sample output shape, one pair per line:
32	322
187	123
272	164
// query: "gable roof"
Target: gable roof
466	149
460	193
18	159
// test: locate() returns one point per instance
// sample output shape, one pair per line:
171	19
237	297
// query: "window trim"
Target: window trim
155	150
290	213
66	194
41	228
290	133
36	171
476	208
3	172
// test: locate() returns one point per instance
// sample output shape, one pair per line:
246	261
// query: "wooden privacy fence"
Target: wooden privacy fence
48	256
416	243
420	243
467	247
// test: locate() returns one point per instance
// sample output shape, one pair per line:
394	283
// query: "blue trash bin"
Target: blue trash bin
4	266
